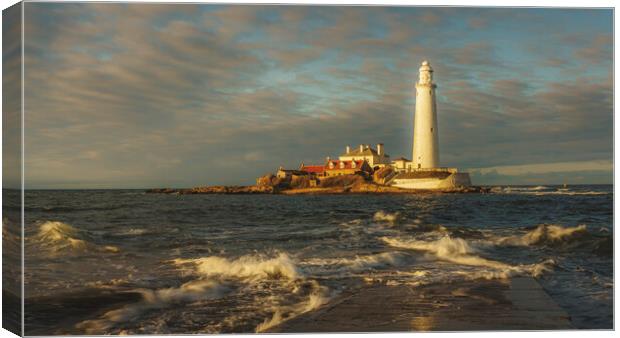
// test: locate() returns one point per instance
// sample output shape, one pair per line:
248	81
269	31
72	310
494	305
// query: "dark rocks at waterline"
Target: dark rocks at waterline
251	189
367	188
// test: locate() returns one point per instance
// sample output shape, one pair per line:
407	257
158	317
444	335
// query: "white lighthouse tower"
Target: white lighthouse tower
423	172
425	133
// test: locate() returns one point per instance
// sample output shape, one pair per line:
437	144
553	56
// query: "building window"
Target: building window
431	130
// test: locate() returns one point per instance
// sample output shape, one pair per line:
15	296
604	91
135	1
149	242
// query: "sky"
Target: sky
180	95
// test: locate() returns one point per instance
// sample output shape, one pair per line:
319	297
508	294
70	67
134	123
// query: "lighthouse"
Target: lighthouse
423	172
425	133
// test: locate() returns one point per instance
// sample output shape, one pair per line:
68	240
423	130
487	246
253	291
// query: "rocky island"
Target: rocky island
368	170
298	185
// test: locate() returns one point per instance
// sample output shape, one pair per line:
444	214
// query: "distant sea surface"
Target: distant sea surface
127	262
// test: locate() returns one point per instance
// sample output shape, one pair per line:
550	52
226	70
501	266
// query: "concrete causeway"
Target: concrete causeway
515	304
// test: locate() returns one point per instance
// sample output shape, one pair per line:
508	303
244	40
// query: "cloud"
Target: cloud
11	98
545	168
513	126
176	94
548	178
477	23
599	49
430	18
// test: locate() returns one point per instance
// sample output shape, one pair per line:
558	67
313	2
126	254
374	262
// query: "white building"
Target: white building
425	133
423	172
375	158
401	164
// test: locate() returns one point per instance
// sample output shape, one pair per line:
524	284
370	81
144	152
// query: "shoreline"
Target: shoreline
359	189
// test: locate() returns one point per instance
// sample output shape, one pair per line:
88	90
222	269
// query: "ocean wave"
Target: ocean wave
354	222
133	232
359	263
245	267
445	247
154	299
67	209
318	297
58	237
11	233
284	304
382	216
278	289
543	191
516	189
560	238
570	193
459	251
544	233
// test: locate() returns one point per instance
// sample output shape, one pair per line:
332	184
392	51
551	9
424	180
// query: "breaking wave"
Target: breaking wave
570	193
59	237
280	291
564	239
542	191
253	269
152	300
544	234
356	264
459	251
245	267
382	216
318	297
517	189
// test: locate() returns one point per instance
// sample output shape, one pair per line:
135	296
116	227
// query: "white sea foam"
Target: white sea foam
254	269
534	270
382	216
317	298
288	293
359	263
245	267
510	189
60	237
570	193
456	250
459	251
542	191
536	188
544	233
154	299
134	232
356	221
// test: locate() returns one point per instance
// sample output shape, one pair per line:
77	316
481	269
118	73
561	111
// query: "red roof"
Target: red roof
317	169
347	164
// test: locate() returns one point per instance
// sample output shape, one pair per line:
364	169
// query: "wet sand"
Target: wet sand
515	304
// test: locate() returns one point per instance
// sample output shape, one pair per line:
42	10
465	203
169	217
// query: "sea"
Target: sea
130	262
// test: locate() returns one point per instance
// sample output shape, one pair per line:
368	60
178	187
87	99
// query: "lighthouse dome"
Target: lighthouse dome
426	66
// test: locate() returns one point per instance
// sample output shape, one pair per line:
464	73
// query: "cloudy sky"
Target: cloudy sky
153	95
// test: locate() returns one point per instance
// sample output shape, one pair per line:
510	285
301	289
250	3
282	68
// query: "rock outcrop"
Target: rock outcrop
218	189
344	184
